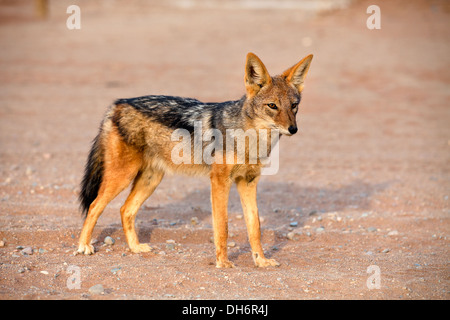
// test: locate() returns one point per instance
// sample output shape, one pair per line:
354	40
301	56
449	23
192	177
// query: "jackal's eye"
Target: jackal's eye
272	106
294	105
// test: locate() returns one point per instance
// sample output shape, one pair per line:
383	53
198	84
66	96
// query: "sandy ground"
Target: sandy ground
366	180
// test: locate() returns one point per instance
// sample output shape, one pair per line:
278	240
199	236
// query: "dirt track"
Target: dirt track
366	179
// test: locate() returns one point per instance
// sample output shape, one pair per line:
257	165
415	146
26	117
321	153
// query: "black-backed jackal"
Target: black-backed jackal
135	145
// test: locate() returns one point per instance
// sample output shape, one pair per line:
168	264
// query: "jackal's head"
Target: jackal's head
272	102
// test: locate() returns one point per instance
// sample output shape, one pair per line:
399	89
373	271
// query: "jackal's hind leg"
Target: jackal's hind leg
144	185
108	191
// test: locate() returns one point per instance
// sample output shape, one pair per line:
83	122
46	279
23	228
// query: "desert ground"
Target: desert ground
359	208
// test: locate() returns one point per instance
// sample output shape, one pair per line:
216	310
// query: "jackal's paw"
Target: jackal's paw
224	264
142	247
262	262
86	249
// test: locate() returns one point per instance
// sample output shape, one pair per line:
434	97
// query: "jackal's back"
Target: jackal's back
147	123
181	113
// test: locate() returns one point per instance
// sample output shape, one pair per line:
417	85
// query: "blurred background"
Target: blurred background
370	93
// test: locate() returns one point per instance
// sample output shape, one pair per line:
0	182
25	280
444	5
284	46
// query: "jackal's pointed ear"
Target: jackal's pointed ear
256	75
296	74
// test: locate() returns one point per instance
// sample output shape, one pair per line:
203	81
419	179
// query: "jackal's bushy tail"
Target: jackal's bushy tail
93	175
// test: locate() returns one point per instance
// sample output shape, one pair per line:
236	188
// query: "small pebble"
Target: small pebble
294	224
97	289
194	221
292	236
232	244
2	243
116	270
371	229
393	233
109	241
27	251
320	229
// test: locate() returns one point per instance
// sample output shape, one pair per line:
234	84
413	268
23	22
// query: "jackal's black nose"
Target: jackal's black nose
293	129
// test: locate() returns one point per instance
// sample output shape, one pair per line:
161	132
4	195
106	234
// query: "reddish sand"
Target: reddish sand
366	178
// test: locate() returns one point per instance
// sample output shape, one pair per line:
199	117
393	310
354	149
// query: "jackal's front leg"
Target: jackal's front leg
247	192
220	188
